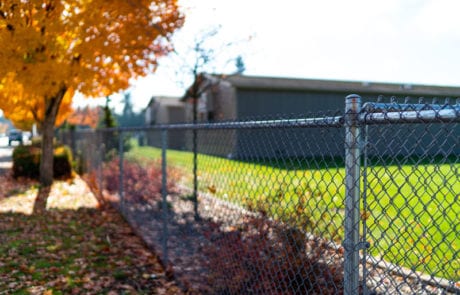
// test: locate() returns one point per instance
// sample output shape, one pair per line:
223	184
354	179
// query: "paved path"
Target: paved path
5	155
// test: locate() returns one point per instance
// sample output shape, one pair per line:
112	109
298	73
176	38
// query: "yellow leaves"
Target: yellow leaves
365	215
31	269
53	248
78	45
27	269
24	108
212	189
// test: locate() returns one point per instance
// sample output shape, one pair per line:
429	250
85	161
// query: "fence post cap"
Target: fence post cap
353	103
353	96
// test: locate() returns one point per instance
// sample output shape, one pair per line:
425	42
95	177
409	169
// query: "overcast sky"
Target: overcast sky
408	42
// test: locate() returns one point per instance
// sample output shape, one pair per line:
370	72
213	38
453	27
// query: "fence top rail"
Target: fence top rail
336	121
371	113
421	116
372	107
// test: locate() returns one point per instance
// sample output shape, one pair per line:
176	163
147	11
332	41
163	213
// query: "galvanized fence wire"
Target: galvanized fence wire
360	202
411	197
275	197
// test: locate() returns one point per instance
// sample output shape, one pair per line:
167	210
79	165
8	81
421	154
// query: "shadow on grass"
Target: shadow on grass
40	200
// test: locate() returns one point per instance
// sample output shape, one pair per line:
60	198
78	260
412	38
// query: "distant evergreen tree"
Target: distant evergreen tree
108	120
240	66
110	139
128	117
128	106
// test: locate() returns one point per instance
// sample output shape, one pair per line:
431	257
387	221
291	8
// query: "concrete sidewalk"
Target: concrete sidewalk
6	161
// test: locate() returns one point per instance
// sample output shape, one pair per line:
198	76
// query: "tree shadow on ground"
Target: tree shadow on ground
226	251
82	251
40	200
240	254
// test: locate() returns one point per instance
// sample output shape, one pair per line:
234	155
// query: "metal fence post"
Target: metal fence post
352	194
100	155
164	192
195	174
120	181
72	141
364	208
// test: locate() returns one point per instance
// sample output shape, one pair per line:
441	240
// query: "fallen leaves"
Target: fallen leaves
87	250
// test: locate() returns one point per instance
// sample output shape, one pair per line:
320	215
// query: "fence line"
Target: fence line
399	164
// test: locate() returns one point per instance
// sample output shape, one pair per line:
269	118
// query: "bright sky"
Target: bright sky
409	42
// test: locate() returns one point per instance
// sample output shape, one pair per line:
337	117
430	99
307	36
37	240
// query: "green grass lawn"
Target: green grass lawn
412	215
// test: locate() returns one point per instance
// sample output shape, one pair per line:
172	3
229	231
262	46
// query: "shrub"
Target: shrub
62	166
141	182
26	162
112	144
260	256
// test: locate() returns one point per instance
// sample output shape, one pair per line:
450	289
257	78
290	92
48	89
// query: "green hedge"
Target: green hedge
26	162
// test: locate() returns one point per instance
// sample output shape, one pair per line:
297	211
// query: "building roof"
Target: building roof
294	84
166	101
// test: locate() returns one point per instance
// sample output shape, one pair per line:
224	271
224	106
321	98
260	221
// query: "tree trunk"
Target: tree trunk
46	163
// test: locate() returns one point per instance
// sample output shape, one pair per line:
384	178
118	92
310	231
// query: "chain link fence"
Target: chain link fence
364	201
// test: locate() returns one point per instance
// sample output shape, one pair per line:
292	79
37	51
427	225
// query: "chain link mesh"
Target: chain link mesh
411	202
260	205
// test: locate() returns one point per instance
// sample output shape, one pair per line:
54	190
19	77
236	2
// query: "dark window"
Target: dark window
211	116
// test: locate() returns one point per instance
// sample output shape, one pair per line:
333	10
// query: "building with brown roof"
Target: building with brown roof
245	97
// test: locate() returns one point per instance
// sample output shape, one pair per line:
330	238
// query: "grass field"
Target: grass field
412	215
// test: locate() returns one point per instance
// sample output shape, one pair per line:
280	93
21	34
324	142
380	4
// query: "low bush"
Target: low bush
260	257
26	162
141	181
62	165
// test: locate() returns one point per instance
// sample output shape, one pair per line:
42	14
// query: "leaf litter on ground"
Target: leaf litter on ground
76	246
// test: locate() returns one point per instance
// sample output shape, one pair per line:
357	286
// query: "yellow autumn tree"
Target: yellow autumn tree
23	113
54	48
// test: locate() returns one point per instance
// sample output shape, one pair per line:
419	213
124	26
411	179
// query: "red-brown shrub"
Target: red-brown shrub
260	257
141	182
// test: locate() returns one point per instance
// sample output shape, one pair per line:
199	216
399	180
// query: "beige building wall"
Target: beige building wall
216	103
166	110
